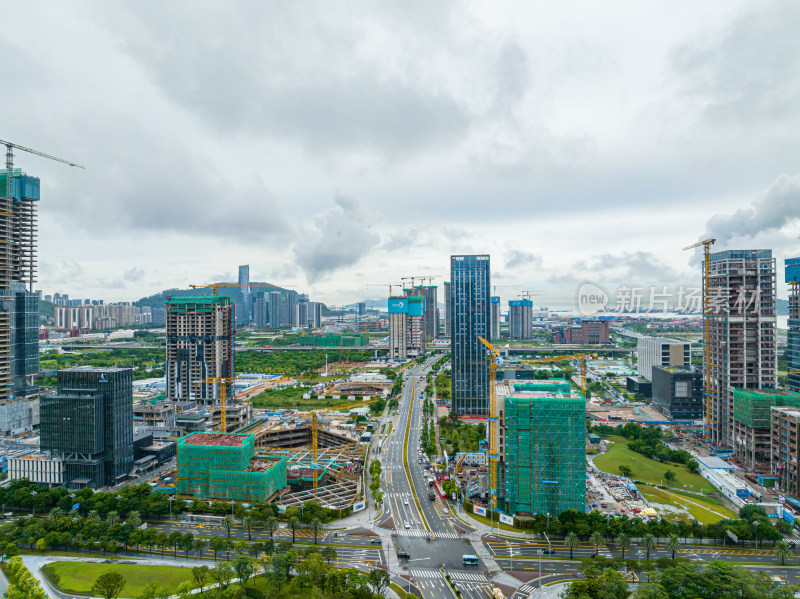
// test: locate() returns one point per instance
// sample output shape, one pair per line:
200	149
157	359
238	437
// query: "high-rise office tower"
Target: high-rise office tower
88	424
431	295
406	326
520	319
261	310
793	335
447	309
314	315
19	308
362	308
659	351
742	345
302	314
495	317
469	319
275	320
199	347
289	308
244	309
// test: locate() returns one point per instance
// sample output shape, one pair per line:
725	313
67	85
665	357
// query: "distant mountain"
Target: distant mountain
782	307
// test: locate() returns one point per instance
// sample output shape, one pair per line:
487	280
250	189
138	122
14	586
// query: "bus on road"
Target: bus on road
469	560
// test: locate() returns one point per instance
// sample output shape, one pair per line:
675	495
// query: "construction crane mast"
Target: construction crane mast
223	398
494	438
706	243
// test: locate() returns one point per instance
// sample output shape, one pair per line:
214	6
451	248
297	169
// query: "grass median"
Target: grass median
77	578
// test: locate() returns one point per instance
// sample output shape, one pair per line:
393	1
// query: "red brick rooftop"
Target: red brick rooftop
218	440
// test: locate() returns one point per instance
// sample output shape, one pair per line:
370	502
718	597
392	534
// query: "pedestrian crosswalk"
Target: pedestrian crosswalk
467	576
421	573
425	533
526	588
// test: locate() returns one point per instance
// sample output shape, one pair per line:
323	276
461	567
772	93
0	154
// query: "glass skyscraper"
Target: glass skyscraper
468	306
793	335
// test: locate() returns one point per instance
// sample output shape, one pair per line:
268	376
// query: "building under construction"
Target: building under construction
520	319
742	348
199	349
751	424
224	466
406	326
19	313
543	441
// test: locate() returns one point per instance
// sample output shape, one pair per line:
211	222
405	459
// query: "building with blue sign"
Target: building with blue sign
793	335
495	317
470	318
520	319
406	326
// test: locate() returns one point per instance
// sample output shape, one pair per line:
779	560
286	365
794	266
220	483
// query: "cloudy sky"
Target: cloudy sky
336	144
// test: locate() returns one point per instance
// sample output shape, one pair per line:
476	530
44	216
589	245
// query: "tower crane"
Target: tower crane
492	355
223	397
315	430
389	285
7	225
581	358
706	243
215	286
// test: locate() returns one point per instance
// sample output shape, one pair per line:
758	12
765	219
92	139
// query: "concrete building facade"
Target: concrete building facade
431	295
199	347
743	344
494	304
446	288
792	272
520	319
470	284
406	326
659	351
785	447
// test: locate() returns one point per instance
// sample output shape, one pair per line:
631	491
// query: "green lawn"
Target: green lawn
646	469
702	510
78	577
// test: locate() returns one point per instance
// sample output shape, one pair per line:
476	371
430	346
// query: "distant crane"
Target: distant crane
389	285
706	243
223	398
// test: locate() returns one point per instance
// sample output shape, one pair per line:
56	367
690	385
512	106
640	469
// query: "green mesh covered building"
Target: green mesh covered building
752	426
224	466
544	452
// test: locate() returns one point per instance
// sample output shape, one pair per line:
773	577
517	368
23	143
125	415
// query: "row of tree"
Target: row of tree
23	584
671	579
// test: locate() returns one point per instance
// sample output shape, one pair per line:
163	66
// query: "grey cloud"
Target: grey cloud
403	239
775	207
522	258
341	236
749	71
628	267
134	274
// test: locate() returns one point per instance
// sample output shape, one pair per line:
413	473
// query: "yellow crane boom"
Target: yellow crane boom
706	243
223	398
494	438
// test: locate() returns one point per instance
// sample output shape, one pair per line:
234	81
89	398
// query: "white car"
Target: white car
405	501
406	524
446	511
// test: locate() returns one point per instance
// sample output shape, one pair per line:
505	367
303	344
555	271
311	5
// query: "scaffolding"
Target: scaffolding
224	467
546	386
545	449
751	407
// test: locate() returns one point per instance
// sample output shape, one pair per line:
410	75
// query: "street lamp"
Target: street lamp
511	552
539	552
33	503
755	523
170	498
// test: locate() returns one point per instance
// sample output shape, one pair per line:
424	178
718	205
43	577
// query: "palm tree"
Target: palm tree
649	542
248	523
55	514
673	544
623	542
271	522
94	517
228	523
596	539
782	549
199	545
293	522
316	524
112	518
135	519
571	541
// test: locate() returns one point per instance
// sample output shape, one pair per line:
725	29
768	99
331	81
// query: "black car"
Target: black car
548	551
402	555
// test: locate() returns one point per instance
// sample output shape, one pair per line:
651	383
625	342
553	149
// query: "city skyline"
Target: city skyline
594	154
